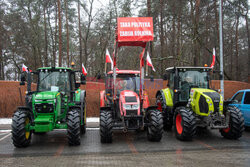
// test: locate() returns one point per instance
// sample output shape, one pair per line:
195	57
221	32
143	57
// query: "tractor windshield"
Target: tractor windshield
191	79
53	81
124	82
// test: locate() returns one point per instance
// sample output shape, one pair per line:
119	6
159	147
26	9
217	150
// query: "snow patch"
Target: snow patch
6	121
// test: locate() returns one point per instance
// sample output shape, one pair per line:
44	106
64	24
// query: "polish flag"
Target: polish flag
84	71
212	65
25	68
149	62
108	59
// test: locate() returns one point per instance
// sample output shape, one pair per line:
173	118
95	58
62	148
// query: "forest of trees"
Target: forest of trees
55	32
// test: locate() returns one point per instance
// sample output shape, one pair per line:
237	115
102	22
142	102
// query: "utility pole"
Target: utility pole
221	52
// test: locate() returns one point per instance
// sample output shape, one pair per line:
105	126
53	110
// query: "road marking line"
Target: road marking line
5	137
131	145
5	131
59	150
206	145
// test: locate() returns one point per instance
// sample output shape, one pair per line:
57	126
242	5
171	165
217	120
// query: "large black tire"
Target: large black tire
20	137
236	124
167	116
155	128
184	123
106	127
74	129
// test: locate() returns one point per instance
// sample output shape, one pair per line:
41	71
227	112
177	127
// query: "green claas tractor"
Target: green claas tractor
188	103
58	103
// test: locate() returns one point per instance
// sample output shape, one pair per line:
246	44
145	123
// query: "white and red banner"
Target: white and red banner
25	68
212	64
135	29
149	62
108	59
84	71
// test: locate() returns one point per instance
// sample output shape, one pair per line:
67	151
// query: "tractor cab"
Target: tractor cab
182	79
125	80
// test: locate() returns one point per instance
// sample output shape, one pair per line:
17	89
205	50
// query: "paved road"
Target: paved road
131	149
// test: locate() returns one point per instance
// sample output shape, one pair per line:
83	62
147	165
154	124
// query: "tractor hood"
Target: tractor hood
129	103
206	101
48	95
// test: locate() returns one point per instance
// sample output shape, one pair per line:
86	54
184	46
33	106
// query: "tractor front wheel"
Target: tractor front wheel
20	135
106	127
155	128
185	124
73	123
236	124
167	116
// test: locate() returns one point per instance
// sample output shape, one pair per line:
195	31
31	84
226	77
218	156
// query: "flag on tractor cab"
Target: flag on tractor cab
149	62
212	64
25	68
108	59
84	71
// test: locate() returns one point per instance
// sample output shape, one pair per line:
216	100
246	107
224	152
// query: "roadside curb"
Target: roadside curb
5	123
8	121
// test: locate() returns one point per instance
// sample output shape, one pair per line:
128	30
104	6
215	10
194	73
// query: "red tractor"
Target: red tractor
124	105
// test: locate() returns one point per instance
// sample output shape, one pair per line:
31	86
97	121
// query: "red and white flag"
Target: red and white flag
84	71
25	68
149	62
108	59
212	64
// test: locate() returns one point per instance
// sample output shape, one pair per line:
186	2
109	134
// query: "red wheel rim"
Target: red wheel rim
178	124
226	130
159	106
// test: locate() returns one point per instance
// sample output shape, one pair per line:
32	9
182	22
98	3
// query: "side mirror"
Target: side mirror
152	78
23	79
77	85
165	77
99	76
83	80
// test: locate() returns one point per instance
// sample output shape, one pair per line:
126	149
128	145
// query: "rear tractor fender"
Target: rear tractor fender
102	98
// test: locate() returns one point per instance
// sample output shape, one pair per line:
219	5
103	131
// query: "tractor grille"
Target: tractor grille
215	98
129	99
44	108
203	105
131	112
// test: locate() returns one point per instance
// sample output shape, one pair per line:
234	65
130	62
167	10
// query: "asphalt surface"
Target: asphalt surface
208	148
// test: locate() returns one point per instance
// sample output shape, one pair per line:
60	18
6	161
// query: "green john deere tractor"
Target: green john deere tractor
58	103
188	103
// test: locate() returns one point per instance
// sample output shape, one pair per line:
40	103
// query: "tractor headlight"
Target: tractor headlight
131	106
135	106
208	100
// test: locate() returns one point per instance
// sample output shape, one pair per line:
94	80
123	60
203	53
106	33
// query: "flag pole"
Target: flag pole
105	68
146	70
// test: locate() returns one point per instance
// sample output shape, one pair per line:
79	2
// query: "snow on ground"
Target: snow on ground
7	121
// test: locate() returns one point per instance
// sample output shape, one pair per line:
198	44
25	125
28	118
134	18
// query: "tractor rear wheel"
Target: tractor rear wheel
236	124
167	116
106	126
20	136
73	123
185	124
155	128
